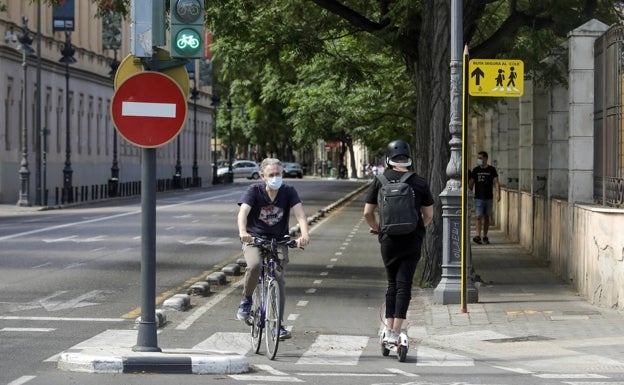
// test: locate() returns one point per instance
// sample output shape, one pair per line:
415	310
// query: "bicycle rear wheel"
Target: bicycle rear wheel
273	320
257	321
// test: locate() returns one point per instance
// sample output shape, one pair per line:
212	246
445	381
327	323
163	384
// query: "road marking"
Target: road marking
145	109
271	370
324	273
69	304
12	318
346	374
302	303
334	350
317	281
569	375
44	330
311	291
292	317
104	218
401	372
243	377
514	370
22	380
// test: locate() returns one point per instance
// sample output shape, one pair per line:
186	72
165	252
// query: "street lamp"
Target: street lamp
215	167
230	174
24	173
68	58
113	182
194	97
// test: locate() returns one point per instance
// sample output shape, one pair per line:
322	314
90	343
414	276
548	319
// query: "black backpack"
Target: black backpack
397	206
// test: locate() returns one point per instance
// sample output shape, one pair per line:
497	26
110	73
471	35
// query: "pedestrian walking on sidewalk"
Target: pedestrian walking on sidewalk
483	179
400	253
264	212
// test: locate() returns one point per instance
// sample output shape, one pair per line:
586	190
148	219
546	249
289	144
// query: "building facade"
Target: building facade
66	129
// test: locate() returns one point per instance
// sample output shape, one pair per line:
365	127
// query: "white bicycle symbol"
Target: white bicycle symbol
188	8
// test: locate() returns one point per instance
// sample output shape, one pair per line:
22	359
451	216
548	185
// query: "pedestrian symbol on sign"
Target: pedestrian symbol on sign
498	78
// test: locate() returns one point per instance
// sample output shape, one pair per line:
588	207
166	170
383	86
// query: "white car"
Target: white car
241	169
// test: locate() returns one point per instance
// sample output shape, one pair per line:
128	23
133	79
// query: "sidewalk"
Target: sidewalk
525	318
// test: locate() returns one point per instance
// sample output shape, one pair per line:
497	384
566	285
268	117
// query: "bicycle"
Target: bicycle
266	310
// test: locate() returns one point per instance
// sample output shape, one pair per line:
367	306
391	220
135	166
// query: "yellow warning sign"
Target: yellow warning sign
502	78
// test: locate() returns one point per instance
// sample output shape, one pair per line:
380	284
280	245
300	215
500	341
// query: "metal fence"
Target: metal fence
608	119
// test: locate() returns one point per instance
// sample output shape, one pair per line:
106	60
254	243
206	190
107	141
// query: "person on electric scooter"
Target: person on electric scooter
400	253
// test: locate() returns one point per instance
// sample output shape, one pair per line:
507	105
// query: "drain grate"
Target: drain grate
519	339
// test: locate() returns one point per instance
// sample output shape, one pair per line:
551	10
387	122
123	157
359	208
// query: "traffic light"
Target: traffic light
187	29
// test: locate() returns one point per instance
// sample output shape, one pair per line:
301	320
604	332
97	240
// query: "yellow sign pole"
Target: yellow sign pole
464	179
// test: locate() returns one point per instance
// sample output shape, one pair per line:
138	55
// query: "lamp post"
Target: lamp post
194	97
177	177
230	173
215	167
68	58
24	173
113	182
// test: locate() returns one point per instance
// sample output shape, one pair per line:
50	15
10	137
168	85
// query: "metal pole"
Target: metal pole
215	104
449	290
230	174
40	181
195	96
68	58
24	172
147	339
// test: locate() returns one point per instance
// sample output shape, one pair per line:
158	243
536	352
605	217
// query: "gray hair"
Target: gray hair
269	162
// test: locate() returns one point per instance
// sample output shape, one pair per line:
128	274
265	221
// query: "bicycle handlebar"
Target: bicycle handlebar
260	241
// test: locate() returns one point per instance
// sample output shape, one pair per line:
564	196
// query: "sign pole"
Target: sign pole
147	339
465	229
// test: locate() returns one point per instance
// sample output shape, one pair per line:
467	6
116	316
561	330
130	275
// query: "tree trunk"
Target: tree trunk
432	153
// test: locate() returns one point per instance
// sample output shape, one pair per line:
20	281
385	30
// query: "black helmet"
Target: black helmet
398	148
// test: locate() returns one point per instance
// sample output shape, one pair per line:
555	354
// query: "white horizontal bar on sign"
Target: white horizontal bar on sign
152	110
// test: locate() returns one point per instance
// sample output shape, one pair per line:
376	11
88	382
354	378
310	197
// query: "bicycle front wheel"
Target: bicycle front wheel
257	318
273	319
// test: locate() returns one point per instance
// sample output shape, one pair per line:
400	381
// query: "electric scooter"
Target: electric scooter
401	347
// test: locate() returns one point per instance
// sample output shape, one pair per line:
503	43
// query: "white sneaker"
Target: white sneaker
393	337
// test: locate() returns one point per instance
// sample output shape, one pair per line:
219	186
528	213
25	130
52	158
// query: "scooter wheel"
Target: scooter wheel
384	351
402	353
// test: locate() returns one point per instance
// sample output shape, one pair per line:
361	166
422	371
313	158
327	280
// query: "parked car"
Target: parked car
292	170
241	169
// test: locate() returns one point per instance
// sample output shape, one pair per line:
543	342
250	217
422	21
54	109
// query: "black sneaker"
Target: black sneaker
477	239
486	240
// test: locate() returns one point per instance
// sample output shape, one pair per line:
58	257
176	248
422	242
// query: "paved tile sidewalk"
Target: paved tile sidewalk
525	318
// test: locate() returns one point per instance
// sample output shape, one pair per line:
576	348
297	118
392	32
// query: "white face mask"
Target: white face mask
479	162
274	183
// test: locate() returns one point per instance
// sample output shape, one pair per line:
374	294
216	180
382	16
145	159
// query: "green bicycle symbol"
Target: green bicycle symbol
188	41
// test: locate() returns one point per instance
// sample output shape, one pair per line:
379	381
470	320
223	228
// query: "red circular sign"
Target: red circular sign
149	109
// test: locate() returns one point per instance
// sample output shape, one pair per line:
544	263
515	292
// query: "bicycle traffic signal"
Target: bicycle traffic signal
187	29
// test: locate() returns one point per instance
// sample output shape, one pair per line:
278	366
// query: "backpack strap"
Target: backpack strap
406	176
382	178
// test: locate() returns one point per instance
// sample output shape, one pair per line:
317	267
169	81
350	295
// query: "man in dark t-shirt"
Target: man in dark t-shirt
264	212
483	178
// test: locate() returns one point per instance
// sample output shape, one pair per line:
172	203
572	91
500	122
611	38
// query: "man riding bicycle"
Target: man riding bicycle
265	212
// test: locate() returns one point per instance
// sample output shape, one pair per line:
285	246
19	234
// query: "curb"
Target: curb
124	360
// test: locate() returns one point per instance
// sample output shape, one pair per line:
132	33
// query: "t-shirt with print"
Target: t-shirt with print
269	218
484	181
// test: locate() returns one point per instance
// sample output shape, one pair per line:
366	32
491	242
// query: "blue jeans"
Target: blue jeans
483	207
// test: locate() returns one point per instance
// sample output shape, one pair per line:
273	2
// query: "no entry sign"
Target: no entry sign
149	109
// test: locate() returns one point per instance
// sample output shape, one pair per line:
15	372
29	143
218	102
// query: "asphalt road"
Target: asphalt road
71	277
